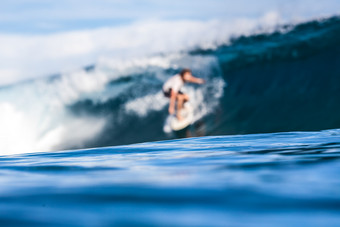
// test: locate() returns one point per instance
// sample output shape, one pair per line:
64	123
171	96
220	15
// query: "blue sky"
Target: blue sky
48	16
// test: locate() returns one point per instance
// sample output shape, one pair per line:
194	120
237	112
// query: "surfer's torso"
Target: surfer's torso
174	83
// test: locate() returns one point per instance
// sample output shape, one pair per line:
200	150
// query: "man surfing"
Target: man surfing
172	89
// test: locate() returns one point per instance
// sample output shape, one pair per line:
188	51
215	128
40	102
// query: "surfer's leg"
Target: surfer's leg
186	98
179	102
181	99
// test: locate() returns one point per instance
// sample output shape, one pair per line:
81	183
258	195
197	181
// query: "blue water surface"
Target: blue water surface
275	179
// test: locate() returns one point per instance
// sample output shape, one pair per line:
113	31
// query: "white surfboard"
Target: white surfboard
187	114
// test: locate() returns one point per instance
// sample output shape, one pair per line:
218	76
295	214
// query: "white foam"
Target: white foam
34	116
143	105
14	125
21	132
28	56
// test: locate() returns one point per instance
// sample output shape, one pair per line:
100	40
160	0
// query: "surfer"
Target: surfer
172	89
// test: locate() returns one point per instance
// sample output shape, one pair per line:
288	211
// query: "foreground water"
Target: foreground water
262	179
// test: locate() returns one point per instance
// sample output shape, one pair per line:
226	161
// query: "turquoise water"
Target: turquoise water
283	81
275	179
286	81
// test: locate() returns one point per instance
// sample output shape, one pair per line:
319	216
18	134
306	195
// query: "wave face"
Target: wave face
282	81
285	81
249	180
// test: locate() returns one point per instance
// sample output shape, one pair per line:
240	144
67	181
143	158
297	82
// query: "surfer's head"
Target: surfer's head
185	74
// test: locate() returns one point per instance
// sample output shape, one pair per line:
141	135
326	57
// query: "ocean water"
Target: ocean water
275	179
261	81
263	149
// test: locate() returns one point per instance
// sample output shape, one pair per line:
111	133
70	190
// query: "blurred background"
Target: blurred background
79	74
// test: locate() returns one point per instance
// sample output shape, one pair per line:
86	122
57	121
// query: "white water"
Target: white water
30	56
34	115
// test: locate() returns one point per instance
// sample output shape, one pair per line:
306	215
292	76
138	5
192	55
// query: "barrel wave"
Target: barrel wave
287	80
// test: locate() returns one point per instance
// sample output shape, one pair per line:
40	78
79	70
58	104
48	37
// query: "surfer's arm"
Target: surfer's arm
173	96
196	80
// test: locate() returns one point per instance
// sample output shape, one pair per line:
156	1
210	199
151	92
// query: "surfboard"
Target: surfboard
187	114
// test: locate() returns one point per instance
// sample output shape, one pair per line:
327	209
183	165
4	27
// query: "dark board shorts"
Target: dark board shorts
168	93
